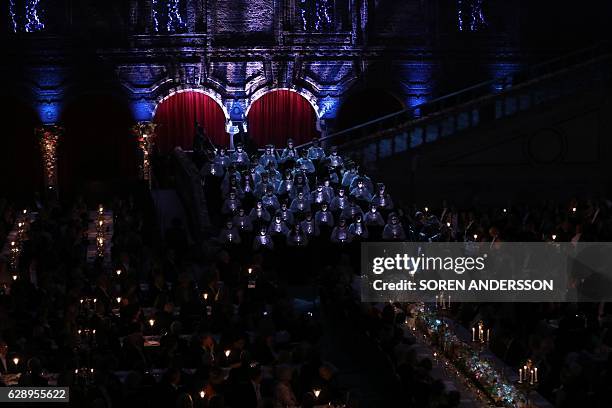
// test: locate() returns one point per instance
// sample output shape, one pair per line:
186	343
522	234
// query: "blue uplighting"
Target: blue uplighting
142	109
49	112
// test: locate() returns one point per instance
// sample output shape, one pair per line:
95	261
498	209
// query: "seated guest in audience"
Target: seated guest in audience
315	151
341	234
283	392
263	240
289	153
394	231
4	366
305	164
33	376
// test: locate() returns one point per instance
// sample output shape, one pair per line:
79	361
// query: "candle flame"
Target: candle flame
151	322
227	353
316	392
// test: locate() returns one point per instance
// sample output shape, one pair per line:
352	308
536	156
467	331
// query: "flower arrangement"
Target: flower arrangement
468	361
145	135
49	137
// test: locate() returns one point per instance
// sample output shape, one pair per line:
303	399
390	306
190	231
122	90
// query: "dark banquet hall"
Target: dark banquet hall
306	204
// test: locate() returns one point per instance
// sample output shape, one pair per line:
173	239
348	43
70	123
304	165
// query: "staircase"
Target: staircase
458	113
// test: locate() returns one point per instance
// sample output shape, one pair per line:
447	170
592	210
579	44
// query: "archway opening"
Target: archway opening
176	117
279	115
365	106
20	157
98	150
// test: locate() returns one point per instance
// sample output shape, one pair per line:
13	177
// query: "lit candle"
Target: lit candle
227	353
118	272
118	299
202	394
316	392
531	377
574	209
554	237
535	374
520	375
475	237
426	209
16	360
205	296
448	224
250	270
473	334
14	277
151	322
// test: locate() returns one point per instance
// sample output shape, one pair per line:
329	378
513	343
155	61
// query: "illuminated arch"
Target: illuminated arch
208	92
275	115
176	112
312	100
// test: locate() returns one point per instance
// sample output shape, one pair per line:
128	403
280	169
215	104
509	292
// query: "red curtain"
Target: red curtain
177	114
280	115
98	146
20	157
